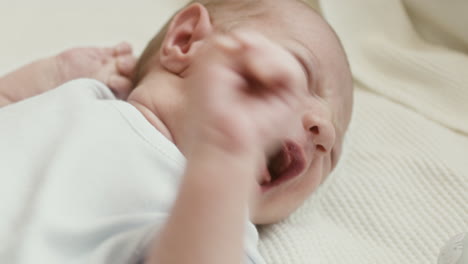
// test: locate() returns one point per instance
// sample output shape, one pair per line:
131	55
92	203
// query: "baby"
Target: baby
114	66
238	113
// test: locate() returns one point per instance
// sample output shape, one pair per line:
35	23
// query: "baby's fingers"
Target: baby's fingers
120	85
123	48
126	65
270	65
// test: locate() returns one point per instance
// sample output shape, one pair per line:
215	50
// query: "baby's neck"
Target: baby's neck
153	119
159	99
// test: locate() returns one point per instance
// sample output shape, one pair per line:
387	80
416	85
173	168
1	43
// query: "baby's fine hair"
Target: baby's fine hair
224	14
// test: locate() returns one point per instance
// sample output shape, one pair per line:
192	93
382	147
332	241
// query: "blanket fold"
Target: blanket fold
401	189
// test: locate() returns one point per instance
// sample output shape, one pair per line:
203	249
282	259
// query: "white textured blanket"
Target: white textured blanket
401	190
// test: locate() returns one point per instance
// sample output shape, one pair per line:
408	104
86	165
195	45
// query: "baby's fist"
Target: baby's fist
244	89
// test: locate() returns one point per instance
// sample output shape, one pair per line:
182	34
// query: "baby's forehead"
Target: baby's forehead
285	19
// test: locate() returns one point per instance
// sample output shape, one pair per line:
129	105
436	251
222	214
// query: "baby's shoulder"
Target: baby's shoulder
84	89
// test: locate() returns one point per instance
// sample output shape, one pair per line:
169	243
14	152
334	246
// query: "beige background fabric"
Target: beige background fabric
400	191
32	29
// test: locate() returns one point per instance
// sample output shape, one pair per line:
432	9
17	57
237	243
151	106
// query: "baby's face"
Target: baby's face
313	147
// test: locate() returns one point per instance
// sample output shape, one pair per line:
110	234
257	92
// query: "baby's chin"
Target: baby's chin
273	213
278	202
264	218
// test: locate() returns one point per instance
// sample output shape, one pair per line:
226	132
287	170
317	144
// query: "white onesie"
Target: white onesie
85	178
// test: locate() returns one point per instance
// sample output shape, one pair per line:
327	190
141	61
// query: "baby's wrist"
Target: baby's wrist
224	154
49	73
60	73
222	140
30	80
224	151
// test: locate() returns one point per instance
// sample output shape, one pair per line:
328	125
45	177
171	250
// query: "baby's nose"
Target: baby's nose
319	130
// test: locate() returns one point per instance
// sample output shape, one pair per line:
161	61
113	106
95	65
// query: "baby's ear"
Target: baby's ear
189	26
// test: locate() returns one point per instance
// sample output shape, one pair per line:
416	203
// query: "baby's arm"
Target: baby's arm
28	81
208	220
232	126
112	66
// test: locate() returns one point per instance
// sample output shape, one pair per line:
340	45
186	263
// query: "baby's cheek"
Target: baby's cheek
281	202
310	181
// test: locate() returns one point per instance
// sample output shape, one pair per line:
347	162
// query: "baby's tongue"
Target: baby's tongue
279	163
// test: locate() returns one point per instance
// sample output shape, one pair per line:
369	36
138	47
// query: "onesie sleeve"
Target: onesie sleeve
86	204
128	247
132	247
252	255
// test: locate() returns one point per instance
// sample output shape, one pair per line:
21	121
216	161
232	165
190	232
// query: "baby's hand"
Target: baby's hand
113	66
244	91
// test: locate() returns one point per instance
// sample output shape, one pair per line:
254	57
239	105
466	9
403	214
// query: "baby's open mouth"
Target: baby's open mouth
287	163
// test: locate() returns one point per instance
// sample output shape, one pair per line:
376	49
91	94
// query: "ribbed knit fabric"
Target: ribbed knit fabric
400	191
